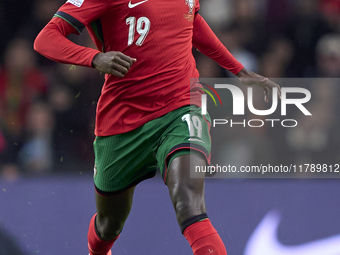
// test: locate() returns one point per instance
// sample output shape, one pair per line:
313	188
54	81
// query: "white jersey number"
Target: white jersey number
194	125
142	27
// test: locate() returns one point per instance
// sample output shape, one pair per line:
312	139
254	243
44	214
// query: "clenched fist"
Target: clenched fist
113	62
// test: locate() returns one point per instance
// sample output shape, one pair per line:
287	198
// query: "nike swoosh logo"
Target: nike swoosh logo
136	4
264	240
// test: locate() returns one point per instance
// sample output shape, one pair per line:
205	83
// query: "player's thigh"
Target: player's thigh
112	212
181	168
185	144
186	192
122	161
116	206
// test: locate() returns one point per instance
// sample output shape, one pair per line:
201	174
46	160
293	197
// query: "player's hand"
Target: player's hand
250	78
113	62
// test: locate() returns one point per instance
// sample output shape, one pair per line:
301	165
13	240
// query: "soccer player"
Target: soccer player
147	106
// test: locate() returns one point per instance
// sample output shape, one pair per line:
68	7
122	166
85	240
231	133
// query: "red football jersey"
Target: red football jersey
158	33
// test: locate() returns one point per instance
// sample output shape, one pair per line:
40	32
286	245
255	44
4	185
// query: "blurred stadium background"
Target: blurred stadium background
46	132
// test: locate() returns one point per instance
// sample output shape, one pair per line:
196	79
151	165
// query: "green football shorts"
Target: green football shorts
124	160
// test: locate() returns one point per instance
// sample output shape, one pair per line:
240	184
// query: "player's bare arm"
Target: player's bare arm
113	62
250	78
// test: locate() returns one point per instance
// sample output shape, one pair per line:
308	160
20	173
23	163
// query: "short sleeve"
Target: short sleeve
79	13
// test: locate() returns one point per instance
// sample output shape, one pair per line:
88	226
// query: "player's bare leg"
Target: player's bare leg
187	196
106	225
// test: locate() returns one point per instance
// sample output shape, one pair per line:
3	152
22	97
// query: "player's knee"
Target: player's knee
187	190
182	209
186	209
109	228
111	231
188	201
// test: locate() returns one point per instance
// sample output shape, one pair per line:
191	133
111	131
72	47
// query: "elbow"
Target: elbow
43	40
38	44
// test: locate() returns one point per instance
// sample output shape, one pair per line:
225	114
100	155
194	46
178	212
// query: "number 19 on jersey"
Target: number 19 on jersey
142	26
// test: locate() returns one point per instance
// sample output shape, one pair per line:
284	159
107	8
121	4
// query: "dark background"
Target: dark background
47	121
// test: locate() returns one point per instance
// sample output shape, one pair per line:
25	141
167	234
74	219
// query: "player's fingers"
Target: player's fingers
127	58
115	70
279	90
116	73
275	85
115	66
266	94
123	63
